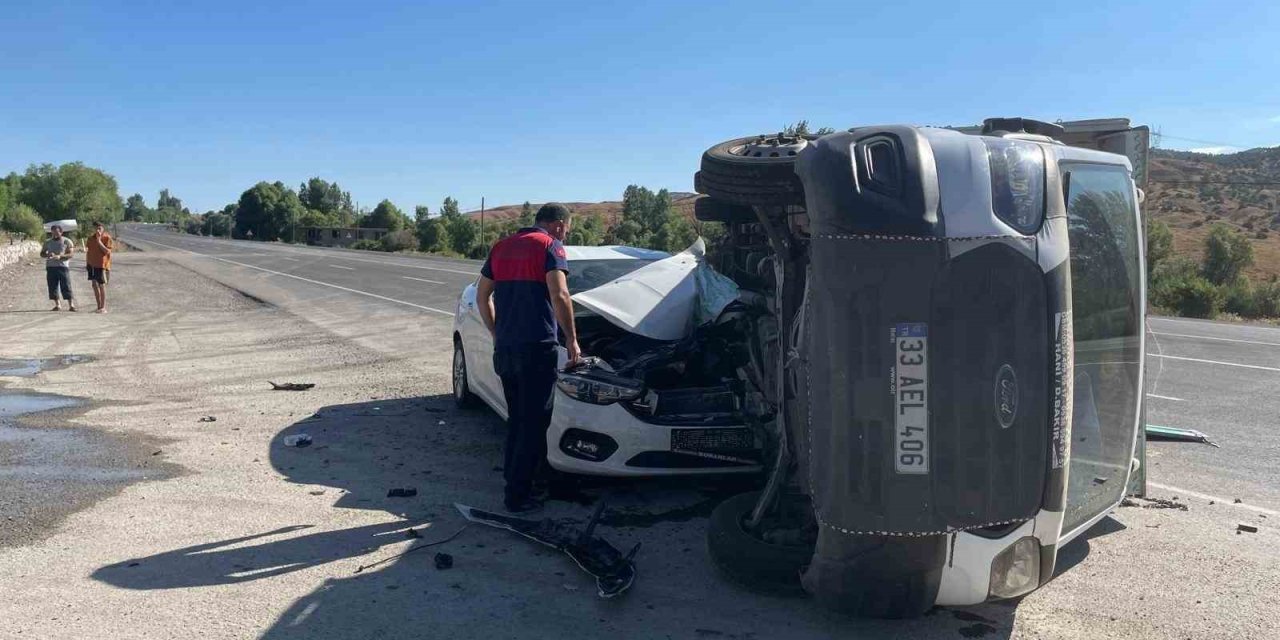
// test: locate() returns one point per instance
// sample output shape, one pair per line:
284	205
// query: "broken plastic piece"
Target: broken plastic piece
1247	528
208	419
406	492
613	571
291	386
1156	432
300	440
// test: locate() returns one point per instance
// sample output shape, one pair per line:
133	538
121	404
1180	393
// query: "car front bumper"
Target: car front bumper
642	448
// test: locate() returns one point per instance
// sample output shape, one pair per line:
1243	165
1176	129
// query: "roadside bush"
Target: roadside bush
1195	297
402	240
1266	299
22	219
1240	298
367	245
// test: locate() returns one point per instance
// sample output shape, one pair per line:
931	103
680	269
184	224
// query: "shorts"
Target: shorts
99	275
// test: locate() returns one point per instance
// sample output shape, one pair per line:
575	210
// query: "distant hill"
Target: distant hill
611	210
1189	191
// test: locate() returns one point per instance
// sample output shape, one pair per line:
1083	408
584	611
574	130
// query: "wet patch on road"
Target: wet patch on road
49	470
27	367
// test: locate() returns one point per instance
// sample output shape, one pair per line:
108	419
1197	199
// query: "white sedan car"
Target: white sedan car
645	407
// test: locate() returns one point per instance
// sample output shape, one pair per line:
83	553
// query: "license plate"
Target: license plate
726	444
910	388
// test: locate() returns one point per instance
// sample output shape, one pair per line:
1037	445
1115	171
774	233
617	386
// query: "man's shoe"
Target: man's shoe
72	308
523	507
56	307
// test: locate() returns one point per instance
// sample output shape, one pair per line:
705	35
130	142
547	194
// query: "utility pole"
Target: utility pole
482	221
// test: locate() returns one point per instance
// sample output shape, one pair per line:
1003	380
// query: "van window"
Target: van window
1106	298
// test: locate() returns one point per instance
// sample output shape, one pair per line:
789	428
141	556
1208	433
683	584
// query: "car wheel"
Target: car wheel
714	210
747	560
462	395
759	170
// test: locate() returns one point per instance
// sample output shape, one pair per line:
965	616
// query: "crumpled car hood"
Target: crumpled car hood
664	300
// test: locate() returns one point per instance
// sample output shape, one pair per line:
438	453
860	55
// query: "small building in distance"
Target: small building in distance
339	236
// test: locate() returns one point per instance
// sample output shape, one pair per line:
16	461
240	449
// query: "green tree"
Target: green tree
586	231
327	197
674	236
645	216
420	213
314	218
1159	244
433	235
136	209
801	128
386	216
20	218
526	214
1227	253
269	210
72	190
463	232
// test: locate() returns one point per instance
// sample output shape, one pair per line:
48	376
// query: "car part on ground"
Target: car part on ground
614	572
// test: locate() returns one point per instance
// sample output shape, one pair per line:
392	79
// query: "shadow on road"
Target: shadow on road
499	585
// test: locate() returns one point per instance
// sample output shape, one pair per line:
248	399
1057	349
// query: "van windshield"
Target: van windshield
1106	281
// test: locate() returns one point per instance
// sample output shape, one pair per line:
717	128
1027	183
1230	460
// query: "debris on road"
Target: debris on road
1157	432
399	492
613	571
444	561
208	419
412	534
415	548
1155	503
291	386
1247	528
300	440
1239	501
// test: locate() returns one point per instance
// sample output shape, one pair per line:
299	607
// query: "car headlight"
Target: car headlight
1016	570
597	390
1017	182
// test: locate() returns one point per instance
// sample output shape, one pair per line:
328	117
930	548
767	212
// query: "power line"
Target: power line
1163	135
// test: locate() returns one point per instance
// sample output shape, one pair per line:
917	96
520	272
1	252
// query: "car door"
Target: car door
478	344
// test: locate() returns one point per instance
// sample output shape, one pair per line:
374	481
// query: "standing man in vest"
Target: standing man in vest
97	256
523	296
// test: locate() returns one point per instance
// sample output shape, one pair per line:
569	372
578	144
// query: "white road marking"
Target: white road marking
290	275
1187	335
338	266
1225	364
1152	395
422	280
1205	496
290	259
314	251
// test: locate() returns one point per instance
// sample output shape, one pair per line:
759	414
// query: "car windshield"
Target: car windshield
1107	317
585	275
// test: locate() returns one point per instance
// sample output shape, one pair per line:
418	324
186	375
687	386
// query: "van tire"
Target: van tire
750	562
730	175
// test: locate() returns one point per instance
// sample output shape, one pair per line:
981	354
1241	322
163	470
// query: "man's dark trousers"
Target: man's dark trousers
528	374
59	280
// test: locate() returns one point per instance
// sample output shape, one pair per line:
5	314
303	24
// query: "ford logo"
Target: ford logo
1006	396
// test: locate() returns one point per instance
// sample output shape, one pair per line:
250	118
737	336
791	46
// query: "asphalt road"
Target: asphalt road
1219	378
429	284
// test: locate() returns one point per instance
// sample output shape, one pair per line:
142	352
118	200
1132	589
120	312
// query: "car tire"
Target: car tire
741	557
759	170
715	210
462	395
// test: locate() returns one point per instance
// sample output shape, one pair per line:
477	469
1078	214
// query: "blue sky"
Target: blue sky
541	101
